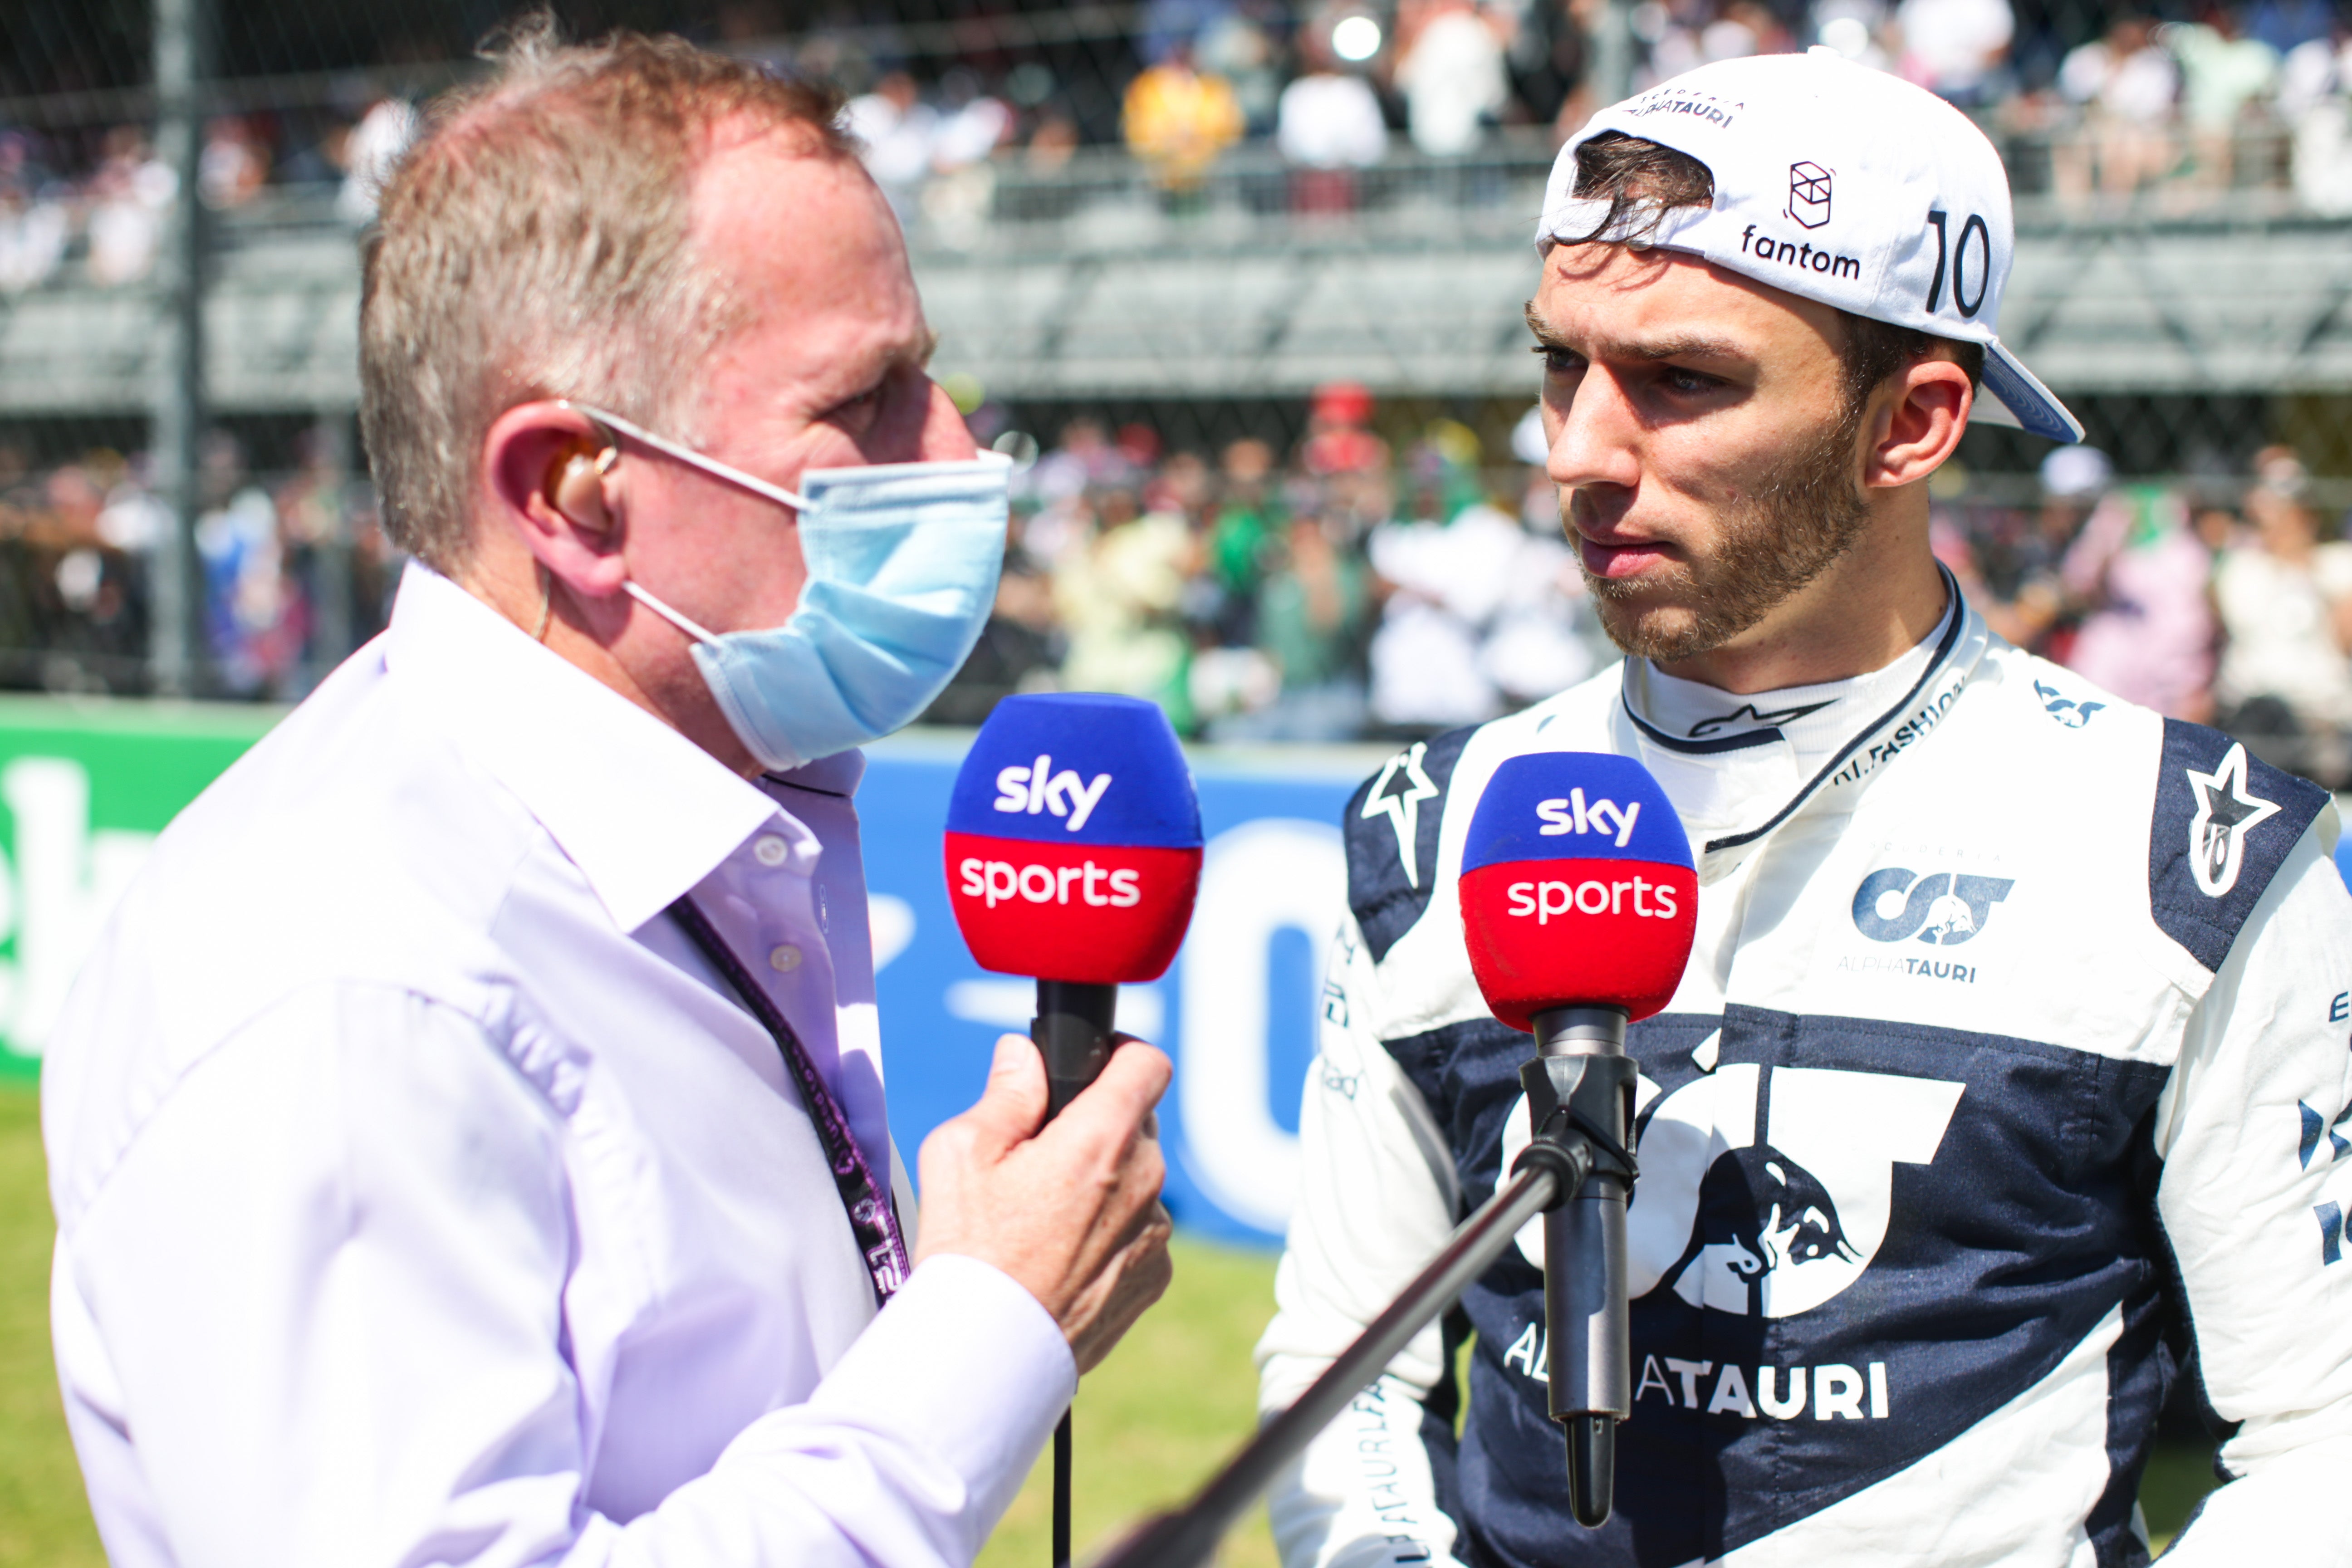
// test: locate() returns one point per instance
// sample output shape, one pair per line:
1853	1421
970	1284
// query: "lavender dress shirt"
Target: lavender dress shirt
422	1198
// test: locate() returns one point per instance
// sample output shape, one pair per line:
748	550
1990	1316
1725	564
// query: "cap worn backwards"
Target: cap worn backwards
1840	183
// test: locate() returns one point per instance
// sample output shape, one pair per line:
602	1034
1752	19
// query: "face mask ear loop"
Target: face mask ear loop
688	456
698	633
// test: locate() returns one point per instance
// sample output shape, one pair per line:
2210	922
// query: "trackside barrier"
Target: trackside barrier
85	788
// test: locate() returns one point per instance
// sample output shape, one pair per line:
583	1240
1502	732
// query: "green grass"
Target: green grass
2178	1477
1151	1422
1155	1419
44	1515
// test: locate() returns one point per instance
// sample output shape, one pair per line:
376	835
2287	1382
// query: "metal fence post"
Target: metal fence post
177	426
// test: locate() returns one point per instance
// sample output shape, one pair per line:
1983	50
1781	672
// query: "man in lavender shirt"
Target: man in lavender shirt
434	1184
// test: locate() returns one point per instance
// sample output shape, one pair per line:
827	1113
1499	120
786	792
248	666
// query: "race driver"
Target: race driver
2009	1079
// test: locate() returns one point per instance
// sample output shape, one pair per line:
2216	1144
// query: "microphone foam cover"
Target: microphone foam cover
1074	840
1577	888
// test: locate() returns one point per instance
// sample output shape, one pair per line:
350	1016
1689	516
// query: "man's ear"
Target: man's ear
548	471
1919	426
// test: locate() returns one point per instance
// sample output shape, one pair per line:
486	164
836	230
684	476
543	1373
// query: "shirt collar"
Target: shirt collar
644	812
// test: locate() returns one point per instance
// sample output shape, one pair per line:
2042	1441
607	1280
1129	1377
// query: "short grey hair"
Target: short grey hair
536	243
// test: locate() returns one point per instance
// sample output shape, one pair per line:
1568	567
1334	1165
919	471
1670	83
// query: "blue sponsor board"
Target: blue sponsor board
1237	1011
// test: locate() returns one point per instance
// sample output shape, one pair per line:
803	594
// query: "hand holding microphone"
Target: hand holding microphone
1073	854
1070	1211
1578	903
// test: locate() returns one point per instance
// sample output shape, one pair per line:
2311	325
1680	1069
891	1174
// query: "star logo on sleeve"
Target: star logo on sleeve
2226	813
1399	791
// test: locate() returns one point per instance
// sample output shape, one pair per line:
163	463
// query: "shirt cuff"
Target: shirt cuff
968	1364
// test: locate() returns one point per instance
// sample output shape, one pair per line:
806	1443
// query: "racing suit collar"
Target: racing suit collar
1739	789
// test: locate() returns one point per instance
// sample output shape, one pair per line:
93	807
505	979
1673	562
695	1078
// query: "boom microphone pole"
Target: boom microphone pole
1073	854
1578	903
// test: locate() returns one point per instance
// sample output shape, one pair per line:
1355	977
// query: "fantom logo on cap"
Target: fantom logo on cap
1808	193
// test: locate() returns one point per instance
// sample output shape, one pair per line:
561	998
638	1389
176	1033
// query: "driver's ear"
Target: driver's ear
1923	424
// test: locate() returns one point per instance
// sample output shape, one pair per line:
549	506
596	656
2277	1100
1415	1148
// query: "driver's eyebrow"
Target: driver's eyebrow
1542	329
1689	346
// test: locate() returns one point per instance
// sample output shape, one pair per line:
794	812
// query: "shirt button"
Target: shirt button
784	958
771	850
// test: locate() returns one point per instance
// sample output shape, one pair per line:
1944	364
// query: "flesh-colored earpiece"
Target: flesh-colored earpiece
576	488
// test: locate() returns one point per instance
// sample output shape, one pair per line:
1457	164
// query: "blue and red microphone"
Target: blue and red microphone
1579	902
1073	854
1577	888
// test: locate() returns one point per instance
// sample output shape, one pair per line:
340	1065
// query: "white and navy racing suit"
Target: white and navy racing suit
2010	1074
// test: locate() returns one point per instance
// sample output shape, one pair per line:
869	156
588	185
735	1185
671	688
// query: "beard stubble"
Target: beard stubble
1805	513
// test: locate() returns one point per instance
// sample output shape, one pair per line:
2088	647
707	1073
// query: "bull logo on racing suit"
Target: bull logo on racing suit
1760	1210
1765	1191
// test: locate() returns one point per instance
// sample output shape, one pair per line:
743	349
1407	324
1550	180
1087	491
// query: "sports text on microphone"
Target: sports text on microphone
998	880
1544	899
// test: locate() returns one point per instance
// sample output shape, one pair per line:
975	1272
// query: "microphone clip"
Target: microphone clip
1574	1104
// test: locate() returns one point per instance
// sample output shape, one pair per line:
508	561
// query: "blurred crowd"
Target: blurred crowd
95	210
1376	580
1348	590
2099	103
1340	590
2091	103
294	571
2224	602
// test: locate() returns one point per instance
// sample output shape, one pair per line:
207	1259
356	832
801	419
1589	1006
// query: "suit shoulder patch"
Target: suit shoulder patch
1390	826
2223	826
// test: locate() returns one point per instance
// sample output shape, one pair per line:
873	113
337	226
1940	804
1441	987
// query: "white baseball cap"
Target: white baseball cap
1840	184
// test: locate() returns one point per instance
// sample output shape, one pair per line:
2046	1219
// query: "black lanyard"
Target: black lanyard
873	1217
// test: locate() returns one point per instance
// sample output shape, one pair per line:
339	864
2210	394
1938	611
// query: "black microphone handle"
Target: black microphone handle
1072	1033
1583	1069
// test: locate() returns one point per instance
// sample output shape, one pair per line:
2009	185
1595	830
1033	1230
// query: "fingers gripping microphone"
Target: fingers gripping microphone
1073	854
1578	898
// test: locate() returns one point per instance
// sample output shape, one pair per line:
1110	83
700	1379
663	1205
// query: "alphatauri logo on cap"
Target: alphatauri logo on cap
1808	193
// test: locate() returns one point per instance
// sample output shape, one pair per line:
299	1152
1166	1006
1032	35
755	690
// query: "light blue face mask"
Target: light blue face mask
902	563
